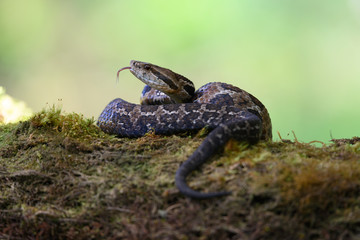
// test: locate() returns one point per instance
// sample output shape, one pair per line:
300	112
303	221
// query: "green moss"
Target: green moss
61	177
71	125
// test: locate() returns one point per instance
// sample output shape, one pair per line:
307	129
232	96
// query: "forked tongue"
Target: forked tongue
117	75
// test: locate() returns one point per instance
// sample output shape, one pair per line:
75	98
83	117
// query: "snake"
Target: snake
169	104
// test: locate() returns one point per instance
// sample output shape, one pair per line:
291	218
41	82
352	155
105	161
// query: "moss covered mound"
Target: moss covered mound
62	178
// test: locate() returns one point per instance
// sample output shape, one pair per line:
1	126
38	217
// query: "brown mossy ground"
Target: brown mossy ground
62	178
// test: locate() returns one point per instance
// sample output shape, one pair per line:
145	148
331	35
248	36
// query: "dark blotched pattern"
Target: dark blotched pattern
231	113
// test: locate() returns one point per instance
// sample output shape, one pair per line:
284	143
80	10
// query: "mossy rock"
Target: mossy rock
63	178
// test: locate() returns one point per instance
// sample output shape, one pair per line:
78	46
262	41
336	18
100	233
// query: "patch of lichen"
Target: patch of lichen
61	177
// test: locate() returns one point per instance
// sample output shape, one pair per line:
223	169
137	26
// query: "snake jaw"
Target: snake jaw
154	76
176	86
142	71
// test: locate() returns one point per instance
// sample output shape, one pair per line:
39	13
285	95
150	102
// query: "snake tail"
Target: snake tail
248	129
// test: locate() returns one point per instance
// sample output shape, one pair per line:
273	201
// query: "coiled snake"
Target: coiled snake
170	104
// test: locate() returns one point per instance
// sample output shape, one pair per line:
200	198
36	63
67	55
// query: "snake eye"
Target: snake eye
147	67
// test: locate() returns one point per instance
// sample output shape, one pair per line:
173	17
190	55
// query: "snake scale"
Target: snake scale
170	104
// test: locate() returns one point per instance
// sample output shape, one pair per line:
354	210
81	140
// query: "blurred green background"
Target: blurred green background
301	58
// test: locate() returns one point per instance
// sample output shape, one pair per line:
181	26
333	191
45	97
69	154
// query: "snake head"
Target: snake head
172	84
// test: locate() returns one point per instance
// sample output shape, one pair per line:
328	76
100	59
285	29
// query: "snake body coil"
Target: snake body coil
226	110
